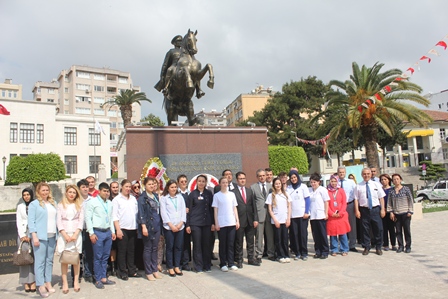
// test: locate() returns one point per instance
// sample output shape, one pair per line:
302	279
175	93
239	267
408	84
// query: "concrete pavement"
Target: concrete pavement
422	273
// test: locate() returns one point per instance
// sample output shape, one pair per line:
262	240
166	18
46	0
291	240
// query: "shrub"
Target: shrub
282	158
35	168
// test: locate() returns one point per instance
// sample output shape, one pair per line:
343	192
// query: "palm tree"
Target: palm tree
124	101
390	91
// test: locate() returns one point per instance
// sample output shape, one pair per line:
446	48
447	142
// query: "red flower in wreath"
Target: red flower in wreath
153	172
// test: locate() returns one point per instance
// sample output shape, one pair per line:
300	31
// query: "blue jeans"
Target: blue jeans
101	252
174	243
334	248
43	260
150	248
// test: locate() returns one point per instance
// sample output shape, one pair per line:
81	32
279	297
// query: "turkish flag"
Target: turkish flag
3	110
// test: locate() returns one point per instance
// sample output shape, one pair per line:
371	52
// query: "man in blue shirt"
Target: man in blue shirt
99	223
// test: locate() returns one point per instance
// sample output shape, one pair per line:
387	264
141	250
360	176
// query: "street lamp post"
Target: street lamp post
4	168
295	135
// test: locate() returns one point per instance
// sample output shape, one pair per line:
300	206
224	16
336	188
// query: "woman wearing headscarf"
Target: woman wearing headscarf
337	224
300	215
26	273
135	188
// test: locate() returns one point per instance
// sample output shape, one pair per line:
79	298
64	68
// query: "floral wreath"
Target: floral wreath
154	168
211	181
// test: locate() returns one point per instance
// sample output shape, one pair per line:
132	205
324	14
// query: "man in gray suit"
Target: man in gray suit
261	191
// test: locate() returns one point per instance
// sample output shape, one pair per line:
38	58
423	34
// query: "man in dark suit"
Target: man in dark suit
248	222
261	191
228	174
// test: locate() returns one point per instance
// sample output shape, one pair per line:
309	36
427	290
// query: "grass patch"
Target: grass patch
429	207
8	211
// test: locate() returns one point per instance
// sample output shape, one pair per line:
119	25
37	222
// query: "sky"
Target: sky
249	43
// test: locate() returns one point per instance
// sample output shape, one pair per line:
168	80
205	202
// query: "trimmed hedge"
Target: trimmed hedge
35	168
282	158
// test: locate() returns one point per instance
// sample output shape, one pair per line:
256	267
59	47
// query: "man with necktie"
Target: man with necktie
349	186
369	207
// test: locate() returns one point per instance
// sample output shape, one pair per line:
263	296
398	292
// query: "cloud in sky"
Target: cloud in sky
247	42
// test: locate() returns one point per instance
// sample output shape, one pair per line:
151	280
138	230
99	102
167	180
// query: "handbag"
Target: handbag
69	257
23	257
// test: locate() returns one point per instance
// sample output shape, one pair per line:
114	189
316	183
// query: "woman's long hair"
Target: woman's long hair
165	191
274	191
77	200
50	195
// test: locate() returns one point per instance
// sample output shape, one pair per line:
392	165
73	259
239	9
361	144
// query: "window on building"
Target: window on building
445	153
26	133
98	88
112	113
94	137
122	80
9	93
329	163
51	90
120	125
111	89
113	125
80	110
70	136
98	111
82	86
66	102
66	112
419	141
405	145
3	93
66	89
14	94
39	133
111	78
98	100
82	99
83	75
71	164
94	161
442	133
99	77
66	79
13	132
50	100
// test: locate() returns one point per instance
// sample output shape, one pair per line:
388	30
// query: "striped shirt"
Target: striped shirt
401	202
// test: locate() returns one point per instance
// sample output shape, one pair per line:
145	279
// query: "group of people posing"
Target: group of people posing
272	215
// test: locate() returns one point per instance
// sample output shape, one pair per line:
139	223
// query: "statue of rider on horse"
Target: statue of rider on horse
181	76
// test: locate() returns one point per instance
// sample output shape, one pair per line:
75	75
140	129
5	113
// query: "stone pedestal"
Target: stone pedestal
194	150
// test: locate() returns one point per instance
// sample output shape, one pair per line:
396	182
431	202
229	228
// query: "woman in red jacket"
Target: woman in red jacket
337	224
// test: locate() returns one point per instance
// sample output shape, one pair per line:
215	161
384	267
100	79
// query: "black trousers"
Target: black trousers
371	219
201	247
403	225
226	237
126	252
186	252
281	241
298	236
319	230
249	232
388	231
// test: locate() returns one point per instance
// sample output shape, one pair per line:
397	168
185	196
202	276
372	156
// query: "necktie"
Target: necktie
264	191
243	194
369	196
342	184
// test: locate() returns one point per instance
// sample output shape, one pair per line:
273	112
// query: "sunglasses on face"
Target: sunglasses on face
136	187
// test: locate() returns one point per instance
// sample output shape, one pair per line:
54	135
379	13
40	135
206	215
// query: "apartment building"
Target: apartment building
81	90
11	91
245	105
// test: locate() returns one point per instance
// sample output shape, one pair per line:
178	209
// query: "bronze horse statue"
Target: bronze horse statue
185	81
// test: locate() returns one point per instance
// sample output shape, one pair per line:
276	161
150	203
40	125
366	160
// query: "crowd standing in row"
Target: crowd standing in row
272	215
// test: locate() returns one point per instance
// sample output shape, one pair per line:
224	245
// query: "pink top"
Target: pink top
69	219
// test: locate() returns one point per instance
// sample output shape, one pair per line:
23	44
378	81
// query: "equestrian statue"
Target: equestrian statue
180	78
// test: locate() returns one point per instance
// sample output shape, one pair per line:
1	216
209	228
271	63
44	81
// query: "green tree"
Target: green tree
282	158
152	120
433	171
124	101
35	168
367	82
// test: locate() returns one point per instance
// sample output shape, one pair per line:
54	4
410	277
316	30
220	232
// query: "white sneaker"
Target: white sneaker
234	268
287	260
224	269
282	260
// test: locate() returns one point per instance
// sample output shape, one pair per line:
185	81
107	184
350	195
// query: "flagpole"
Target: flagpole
94	149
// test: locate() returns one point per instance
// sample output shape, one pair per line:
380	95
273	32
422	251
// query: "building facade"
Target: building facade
212	118
36	127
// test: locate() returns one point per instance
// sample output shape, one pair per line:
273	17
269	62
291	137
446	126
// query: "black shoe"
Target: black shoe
259	260
88	279
239	265
353	249
135	275
186	268
317	256
322	257
265	255
122	276
253	263
272	258
379	251
366	251
400	249
214	257
408	250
